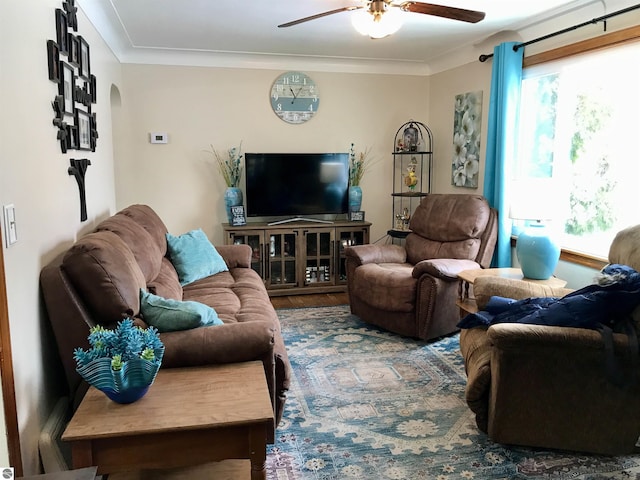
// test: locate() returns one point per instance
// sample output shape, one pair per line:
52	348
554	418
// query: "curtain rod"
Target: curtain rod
593	21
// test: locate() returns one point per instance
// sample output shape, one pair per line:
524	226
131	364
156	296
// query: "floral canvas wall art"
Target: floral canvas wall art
466	139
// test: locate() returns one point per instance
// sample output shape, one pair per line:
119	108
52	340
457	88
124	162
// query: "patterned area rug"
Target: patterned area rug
368	404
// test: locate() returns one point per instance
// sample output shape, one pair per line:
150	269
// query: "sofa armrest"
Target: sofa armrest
236	255
376	253
521	337
228	343
486	287
445	268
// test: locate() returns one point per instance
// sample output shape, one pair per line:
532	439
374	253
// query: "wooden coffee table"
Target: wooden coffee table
190	416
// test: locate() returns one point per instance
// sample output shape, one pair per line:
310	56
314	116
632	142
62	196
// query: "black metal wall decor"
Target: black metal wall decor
68	58
78	169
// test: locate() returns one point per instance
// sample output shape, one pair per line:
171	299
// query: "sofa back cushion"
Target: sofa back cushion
166	284
148	219
144	248
104	271
447	226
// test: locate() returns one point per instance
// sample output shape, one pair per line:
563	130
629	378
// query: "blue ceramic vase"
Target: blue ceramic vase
537	252
232	198
355	198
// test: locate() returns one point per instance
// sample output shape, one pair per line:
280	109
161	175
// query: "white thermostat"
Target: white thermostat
158	137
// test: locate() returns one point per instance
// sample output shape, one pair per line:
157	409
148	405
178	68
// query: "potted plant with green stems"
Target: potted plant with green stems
358	165
231	171
123	362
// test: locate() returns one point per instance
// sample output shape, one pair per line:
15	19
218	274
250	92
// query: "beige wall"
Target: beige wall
199	106
33	176
445	86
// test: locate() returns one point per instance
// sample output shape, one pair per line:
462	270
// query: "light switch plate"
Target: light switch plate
10	232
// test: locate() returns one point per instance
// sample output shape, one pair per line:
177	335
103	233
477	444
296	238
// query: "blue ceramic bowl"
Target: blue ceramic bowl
128	396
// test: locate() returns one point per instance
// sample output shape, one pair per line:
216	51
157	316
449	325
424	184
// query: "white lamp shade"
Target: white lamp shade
534	199
388	23
536	248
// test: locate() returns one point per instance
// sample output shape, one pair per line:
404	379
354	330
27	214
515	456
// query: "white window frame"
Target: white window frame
628	35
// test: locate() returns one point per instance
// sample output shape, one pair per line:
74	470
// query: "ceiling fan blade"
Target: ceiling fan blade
461	14
319	15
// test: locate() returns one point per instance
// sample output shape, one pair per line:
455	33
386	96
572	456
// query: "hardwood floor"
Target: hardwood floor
311	300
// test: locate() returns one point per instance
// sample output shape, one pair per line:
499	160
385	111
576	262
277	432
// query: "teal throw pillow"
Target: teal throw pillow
169	315
193	256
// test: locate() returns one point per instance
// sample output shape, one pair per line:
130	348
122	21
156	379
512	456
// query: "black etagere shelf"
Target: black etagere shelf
412	172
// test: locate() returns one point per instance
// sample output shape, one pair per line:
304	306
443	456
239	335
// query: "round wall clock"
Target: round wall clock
294	97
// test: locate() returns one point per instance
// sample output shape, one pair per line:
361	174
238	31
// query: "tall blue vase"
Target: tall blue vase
232	198
537	252
355	198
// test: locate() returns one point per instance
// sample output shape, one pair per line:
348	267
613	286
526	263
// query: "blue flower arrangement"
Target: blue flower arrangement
122	363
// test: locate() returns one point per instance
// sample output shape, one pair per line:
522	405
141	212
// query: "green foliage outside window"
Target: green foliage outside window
590	194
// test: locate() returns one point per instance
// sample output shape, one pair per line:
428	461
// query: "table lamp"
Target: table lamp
536	249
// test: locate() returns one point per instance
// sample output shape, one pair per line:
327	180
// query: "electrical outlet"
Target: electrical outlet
11	234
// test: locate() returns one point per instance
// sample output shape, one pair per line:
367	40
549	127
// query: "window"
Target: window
579	130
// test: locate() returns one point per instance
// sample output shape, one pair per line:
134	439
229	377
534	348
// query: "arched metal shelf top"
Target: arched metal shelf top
424	133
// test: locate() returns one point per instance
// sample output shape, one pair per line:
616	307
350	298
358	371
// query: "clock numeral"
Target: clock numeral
279	107
295	78
315	98
312	88
311	107
275	96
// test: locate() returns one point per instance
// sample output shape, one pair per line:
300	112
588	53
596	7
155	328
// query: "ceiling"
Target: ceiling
245	32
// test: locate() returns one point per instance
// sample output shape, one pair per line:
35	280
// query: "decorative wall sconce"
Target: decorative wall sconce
78	169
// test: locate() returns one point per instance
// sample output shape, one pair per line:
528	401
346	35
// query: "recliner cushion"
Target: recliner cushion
447	226
387	286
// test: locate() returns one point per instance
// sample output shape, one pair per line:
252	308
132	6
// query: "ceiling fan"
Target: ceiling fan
380	10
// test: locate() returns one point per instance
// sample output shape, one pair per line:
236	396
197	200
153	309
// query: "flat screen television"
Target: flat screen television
296	184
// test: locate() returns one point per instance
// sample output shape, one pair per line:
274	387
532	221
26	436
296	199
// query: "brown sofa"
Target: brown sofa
548	386
98	281
412	289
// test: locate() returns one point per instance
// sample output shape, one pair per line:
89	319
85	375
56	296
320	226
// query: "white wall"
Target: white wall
33	176
199	106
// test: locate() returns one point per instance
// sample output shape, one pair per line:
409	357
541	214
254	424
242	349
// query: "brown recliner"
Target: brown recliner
547	386
412	289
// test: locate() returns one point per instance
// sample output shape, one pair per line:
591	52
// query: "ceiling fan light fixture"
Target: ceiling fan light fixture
377	25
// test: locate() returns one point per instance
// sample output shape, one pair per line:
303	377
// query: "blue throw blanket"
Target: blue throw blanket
593	306
605	307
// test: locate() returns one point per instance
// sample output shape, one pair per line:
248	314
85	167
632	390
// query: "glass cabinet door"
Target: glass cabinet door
346	238
255	239
282	258
319	255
